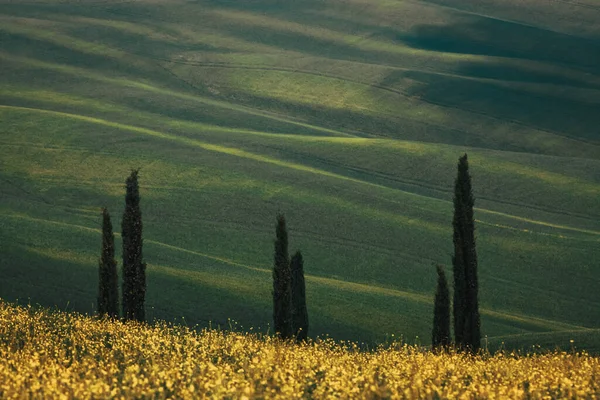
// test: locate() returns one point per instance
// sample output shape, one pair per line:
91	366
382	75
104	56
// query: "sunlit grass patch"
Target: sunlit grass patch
59	98
553	179
332	93
67	255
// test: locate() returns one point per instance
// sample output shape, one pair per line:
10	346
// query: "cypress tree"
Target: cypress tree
108	292
458	273
134	268
466	306
440	337
299	312
282	299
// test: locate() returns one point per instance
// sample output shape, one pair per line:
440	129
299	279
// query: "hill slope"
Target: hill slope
348	116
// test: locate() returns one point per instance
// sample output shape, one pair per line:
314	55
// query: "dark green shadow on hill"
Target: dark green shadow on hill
30	277
514	73
496	38
71	286
24	46
127	41
559	115
246	299
139	44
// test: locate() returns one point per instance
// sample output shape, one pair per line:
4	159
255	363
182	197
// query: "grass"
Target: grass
346	116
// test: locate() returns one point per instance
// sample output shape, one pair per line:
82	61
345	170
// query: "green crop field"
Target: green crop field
348	116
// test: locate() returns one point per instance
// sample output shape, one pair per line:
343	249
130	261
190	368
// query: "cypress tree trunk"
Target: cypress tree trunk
299	312
282	299
108	292
134	269
440	337
466	311
458	272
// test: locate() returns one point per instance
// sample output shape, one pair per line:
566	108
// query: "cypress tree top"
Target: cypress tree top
281	241
463	194
441	313
282	290
108	241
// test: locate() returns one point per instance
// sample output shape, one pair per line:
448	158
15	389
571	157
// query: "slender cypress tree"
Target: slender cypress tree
134	268
282	299
108	292
466	306
299	312
440	337
459	301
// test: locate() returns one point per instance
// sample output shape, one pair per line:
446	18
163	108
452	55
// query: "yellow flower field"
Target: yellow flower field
61	355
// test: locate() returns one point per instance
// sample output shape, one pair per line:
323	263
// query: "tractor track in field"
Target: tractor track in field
336	282
577	4
376	86
525	24
447	191
529	288
317	237
286	164
157	60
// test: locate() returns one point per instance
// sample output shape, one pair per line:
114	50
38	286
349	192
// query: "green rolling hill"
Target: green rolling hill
346	115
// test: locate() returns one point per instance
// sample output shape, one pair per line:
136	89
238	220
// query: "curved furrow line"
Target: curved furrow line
525	24
578	4
547	334
447	191
336	283
529	288
232	151
384	88
75	71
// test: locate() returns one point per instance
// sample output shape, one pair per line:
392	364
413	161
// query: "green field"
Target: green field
346	115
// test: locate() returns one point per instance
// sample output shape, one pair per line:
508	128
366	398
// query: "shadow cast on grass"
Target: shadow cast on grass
490	37
560	115
517	46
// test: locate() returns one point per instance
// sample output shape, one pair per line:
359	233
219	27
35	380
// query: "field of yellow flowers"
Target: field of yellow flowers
61	355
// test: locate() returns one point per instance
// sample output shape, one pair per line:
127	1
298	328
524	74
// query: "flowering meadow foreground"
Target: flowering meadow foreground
60	355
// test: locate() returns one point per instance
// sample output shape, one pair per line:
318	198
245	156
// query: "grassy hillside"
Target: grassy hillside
348	116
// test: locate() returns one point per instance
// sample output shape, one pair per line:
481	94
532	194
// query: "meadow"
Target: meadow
347	116
61	355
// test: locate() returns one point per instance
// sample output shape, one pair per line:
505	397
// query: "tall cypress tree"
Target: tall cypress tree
282	299
466	306
134	268
458	272
299	311
108	292
440	336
